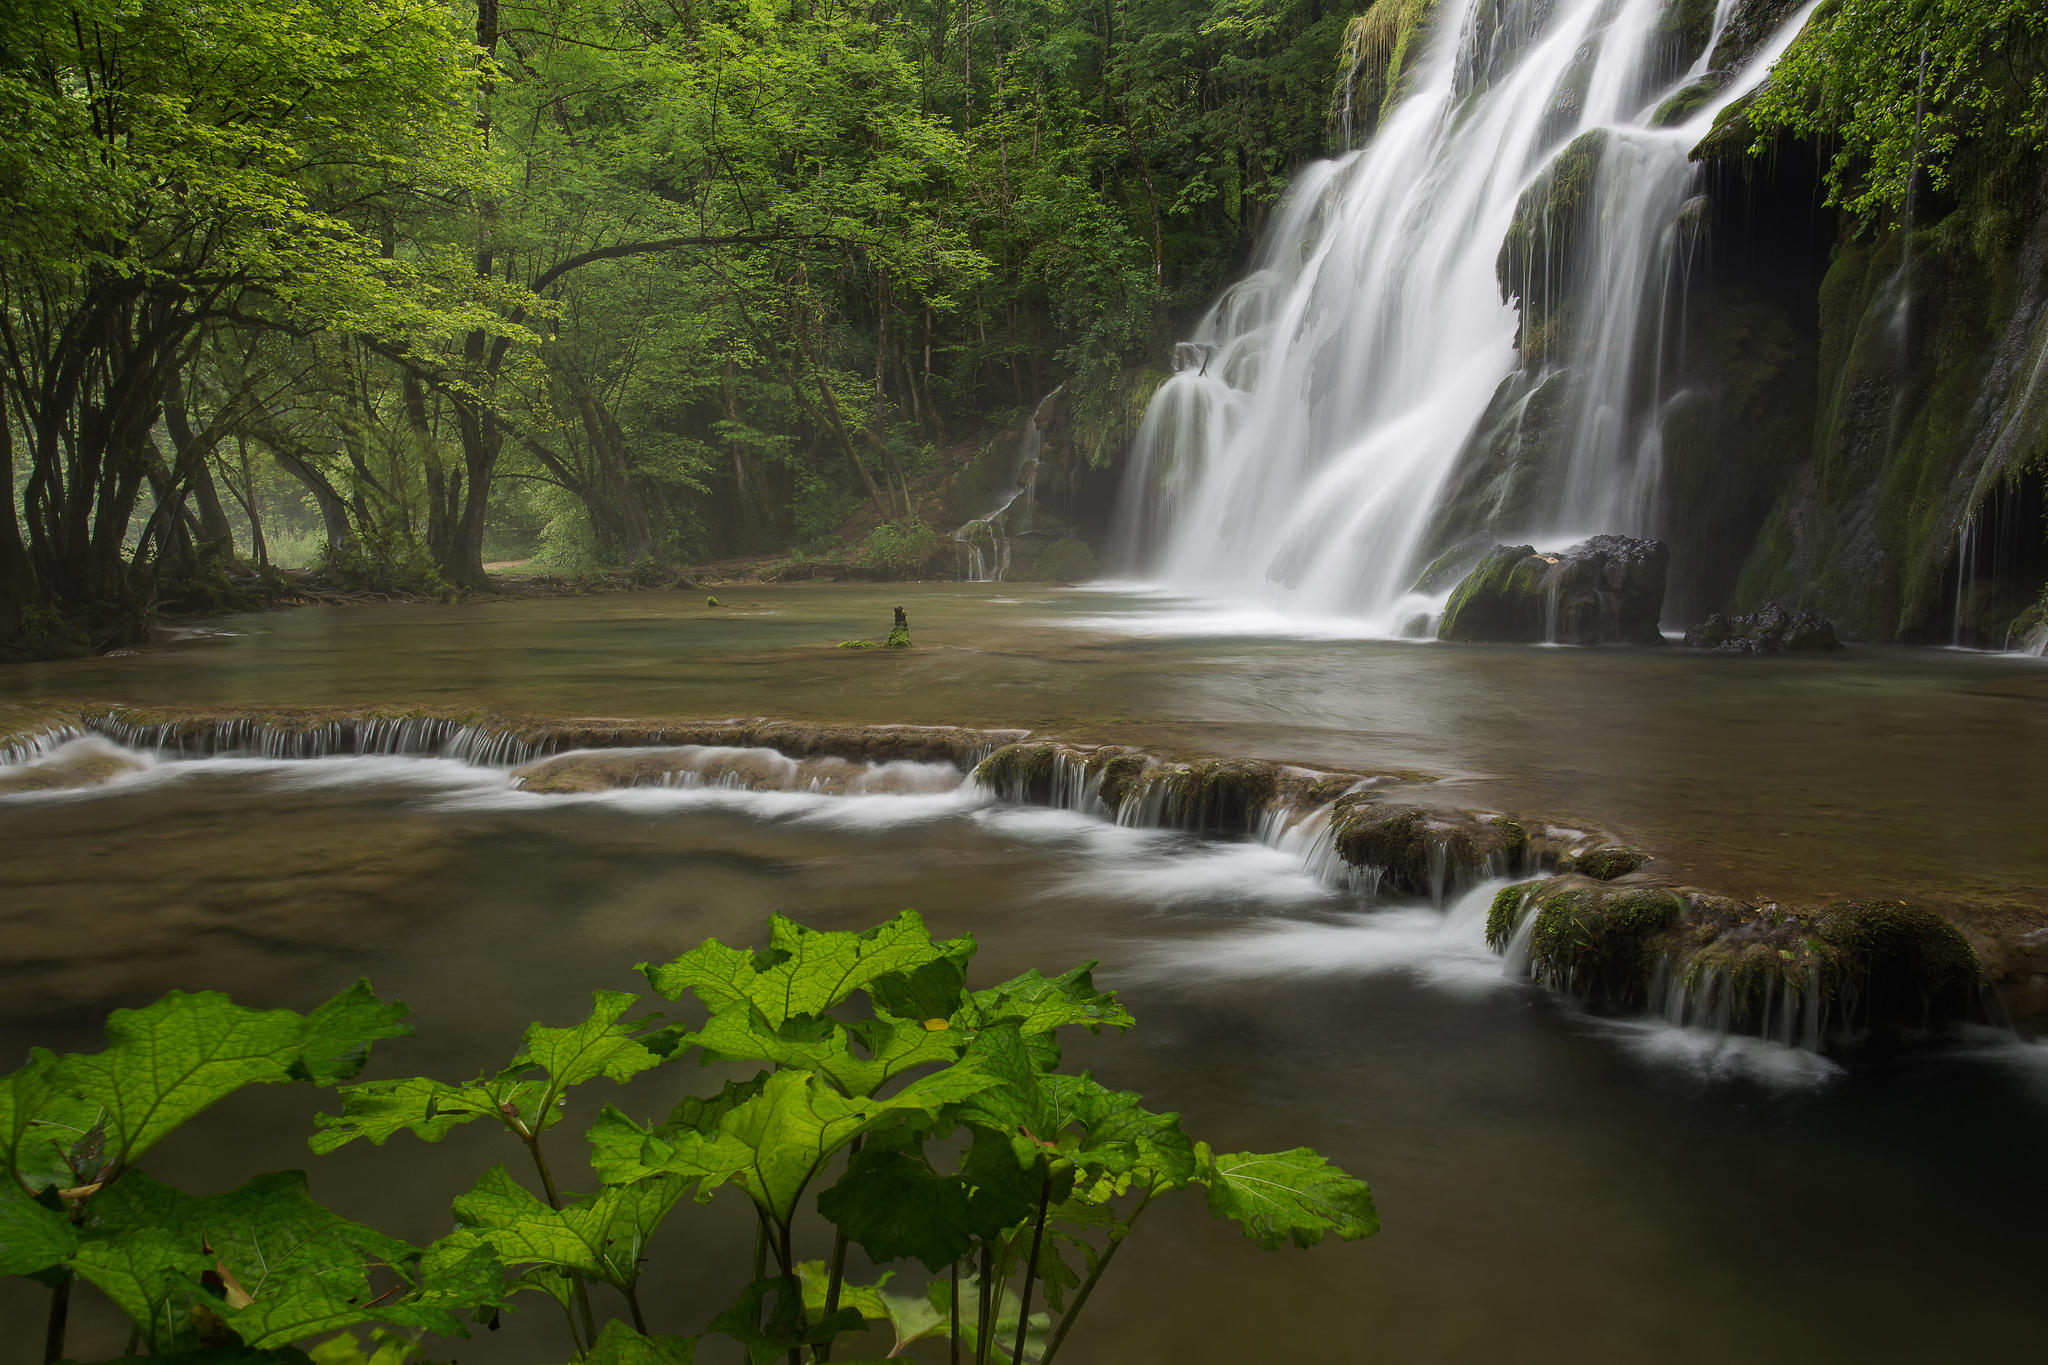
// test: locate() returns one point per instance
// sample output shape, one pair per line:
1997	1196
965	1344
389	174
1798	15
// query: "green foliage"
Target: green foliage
900	549
1900	86
958	1144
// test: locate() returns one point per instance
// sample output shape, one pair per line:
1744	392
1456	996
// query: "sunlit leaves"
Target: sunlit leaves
619	1344
772	1145
284	1267
1278	1197
525	1096
33	1236
602	1235
769	1321
81	1119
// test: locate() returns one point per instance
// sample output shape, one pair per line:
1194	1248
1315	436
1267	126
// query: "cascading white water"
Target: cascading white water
987	538
1302	453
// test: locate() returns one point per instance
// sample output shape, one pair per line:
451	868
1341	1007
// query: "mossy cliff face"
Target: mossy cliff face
1833	974
1932	411
1912	357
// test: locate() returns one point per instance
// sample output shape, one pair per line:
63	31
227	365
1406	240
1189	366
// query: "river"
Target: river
1553	1186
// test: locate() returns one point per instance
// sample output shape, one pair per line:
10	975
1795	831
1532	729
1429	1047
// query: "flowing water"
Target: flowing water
986	539
1299	458
1553	1187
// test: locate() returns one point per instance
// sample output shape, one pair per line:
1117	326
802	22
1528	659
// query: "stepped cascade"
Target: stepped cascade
1508	251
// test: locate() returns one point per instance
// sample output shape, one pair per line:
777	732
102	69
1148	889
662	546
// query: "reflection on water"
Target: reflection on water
1554	1188
1877	771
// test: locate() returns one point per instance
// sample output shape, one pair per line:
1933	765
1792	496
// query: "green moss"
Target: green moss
1899	962
1486	605
1020	772
1599	945
1541	255
1607	862
1504	915
1123	776
1517	838
856	644
1225	794
1685	103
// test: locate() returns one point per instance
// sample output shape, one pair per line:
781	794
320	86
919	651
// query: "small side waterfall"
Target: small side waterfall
1366	399
987	537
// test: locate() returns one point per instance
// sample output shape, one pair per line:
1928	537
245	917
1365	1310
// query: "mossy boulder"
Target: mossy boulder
1020	772
73	766
1607	590
1225	795
1418	850
1840	973
1604	862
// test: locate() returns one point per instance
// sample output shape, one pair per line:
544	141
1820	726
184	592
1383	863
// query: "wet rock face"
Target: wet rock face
1773	630
1607	590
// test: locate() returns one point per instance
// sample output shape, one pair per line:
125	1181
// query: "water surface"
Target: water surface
1553	1188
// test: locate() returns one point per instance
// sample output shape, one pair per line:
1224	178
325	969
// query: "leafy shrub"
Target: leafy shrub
956	1140
900	548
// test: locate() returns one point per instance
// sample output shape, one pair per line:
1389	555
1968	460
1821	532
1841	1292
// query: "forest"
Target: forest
399	288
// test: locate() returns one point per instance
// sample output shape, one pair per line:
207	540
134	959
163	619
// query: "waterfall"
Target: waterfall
1364	400
987	537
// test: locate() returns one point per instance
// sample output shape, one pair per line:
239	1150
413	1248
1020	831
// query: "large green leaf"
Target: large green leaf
894	1206
1110	1136
768	1336
774	1143
429	1109
804	972
150	1274
287	1267
606	1045
32	1237
1279	1197
601	1236
619	1344
912	1319
616	1141
173	1059
740	1032
336	1040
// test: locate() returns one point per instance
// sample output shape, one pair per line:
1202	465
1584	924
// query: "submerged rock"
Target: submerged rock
1605	862
1607	590
75	764
1773	630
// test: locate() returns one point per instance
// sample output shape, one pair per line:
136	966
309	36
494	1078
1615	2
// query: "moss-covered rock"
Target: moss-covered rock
1419	850
1604	862
1607	590
1225	795
73	766
1020	772
1837	974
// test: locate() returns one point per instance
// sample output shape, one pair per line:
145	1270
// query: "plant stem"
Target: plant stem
838	1272
955	1338
985	1318
60	1315
787	1256
578	1290
1088	1285
1031	1267
760	1259
633	1304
